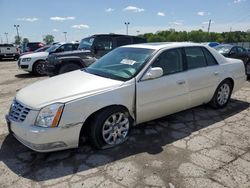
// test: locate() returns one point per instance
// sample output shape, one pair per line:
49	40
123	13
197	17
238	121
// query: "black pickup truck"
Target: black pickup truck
89	50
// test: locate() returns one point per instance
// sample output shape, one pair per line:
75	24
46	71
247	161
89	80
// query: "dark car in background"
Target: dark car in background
90	49
42	49
237	52
31	46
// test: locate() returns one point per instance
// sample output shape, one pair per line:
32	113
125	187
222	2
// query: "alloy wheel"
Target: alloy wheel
115	128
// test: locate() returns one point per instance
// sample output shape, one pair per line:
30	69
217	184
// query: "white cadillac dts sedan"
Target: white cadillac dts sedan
128	86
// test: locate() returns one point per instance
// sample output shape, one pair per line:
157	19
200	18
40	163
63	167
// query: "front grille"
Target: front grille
18	112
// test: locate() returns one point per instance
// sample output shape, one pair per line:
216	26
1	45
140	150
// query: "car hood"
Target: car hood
64	88
36	55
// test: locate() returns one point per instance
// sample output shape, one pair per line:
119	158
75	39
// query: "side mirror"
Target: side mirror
152	73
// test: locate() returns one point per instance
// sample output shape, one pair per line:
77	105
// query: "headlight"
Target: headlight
26	59
49	116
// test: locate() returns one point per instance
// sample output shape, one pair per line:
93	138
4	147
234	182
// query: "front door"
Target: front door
165	95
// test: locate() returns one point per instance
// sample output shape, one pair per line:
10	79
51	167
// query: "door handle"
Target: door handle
180	82
216	73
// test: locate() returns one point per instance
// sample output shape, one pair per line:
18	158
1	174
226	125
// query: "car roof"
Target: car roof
113	35
161	45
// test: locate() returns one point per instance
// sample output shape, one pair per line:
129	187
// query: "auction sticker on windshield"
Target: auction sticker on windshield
128	62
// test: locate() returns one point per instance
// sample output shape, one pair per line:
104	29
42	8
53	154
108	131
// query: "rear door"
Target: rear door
165	95
203	74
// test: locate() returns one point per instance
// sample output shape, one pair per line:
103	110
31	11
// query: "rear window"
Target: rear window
138	40
209	57
195	57
121	41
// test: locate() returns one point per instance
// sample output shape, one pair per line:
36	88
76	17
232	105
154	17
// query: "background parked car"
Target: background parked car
34	62
236	52
211	44
31	46
8	51
90	49
42	49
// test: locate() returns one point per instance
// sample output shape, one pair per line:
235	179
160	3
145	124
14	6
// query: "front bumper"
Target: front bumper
26	66
44	139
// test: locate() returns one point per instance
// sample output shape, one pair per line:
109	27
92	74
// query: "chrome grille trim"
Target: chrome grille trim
18	112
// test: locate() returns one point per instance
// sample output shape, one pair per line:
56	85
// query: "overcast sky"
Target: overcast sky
80	18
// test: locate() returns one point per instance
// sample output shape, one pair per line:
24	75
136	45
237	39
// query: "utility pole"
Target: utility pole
65	37
127	23
6	34
209	24
16	26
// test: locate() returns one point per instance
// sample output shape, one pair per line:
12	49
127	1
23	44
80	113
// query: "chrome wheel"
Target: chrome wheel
223	94
115	128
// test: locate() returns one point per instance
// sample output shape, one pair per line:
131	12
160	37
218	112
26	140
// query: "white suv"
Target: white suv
34	62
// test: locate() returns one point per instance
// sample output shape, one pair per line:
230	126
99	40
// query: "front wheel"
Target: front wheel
38	68
222	94
110	127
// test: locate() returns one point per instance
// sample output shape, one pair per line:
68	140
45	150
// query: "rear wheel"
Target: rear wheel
110	127
222	94
68	68
38	68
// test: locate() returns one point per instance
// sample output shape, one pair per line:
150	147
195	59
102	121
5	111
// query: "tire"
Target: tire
222	94
68	68
110	127
38	68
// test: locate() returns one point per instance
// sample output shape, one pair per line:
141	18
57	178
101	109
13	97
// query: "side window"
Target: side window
209	57
121	41
104	43
241	50
195	58
75	46
233	50
170	61
138	40
68	47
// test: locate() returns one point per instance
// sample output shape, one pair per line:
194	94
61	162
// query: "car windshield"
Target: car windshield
121	63
42	49
223	49
53	48
86	43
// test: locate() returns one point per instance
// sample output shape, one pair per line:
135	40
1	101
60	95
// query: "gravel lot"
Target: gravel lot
200	147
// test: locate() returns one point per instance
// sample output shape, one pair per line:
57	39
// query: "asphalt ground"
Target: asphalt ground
200	147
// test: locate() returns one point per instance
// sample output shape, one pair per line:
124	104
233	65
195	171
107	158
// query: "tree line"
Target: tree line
197	36
47	39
